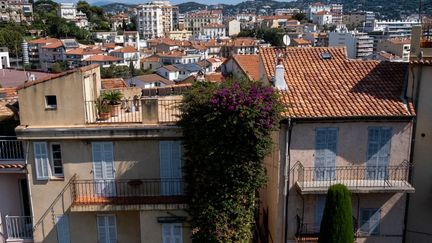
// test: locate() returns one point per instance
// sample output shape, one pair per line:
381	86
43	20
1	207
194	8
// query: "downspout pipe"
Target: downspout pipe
287	168
415	96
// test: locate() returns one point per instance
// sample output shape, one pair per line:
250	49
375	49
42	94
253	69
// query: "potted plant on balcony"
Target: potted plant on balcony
113	98
102	109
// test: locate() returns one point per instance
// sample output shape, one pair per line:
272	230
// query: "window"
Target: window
107	229
62	227
170	167
378	152
172	233
370	220
41	160
50	102
56	156
325	153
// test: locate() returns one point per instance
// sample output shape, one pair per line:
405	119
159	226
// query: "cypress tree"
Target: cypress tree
337	225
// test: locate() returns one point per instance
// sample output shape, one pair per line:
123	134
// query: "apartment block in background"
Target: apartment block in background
101	174
359	45
344	122
419	90
156	18
195	21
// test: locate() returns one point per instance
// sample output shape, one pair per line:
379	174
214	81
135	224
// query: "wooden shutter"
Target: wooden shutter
41	160
166	233
177	233
176	160
325	153
107	229
378	152
108	160
62	226
319	209
172	233
97	161
370	220
165	159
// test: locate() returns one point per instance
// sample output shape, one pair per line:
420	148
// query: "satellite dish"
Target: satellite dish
286	40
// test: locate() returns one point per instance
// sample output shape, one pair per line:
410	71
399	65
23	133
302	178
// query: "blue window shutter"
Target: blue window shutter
62	226
326	140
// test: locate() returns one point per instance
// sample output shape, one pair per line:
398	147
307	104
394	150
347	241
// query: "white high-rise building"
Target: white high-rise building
156	18
359	45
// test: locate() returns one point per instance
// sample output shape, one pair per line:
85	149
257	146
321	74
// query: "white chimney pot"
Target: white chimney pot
280	78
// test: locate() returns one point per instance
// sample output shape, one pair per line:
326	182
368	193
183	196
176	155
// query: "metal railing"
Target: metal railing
139	191
128	111
11	149
168	110
19	227
354	176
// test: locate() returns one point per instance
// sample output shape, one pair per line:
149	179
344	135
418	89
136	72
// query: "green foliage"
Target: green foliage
12	39
113	97
226	134
58	67
102	105
337	224
272	36
115	72
299	16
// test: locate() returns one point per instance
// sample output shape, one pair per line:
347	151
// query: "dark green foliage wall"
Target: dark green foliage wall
337	224
226	134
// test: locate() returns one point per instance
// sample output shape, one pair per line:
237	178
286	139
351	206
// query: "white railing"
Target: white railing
19	227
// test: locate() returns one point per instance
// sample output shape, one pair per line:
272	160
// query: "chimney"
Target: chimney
279	78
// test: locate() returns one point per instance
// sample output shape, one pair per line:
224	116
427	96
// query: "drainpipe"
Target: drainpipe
415	96
287	175
28	180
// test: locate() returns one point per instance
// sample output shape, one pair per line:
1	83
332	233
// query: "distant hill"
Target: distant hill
190	6
387	9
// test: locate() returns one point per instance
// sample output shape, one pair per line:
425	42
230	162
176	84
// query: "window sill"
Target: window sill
50	108
57	178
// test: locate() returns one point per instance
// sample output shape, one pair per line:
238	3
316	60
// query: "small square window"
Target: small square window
50	102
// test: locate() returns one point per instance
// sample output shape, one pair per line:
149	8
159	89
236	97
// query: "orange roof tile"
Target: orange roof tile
337	87
113	83
102	58
126	49
84	51
152	58
53	45
301	41
43	41
249	64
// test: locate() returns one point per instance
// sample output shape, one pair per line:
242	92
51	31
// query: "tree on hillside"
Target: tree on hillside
226	134
299	16
337	224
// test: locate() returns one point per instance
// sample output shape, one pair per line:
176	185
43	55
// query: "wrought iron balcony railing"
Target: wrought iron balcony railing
122	191
356	178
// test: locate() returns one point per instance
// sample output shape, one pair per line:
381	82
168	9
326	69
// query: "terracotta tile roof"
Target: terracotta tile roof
170	68
12	166
150	78
337	87
109	45
249	64
102	58
216	59
322	12
43	41
152	58
214	77
53	45
57	75
7	96
245	42
301	41
174	53
84	51
126	49
113	83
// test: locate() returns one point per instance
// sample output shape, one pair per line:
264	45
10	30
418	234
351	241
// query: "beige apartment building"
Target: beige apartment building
99	174
419	222
344	122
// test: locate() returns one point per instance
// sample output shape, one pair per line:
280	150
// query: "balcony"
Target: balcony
359	179
19	228
147	111
128	192
11	150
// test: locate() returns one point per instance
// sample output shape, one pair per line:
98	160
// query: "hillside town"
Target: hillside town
158	123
